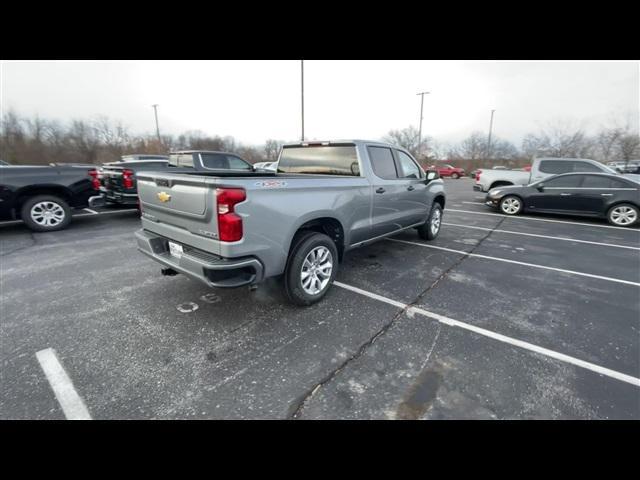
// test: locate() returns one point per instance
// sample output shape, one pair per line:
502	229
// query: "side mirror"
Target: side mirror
540	187
431	175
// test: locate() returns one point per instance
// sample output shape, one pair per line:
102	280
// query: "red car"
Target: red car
449	171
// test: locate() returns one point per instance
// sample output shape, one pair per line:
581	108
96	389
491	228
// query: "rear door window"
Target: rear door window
569	181
595	181
237	163
216	161
382	162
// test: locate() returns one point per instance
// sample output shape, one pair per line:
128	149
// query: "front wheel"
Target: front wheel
46	213
511	205
311	269
455	176
623	215
430	229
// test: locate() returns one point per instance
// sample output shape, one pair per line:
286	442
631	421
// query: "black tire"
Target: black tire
301	248
626	212
429	231
511	205
455	176
58	205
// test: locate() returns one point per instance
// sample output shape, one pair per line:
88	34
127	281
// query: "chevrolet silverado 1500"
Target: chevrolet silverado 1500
229	228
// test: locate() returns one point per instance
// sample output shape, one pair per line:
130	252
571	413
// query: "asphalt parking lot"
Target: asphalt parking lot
498	318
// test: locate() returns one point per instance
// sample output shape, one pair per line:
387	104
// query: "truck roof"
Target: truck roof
177	152
335	142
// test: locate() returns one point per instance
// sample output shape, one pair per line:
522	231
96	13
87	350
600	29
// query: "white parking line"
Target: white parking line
497	336
519	217
498	259
540	236
71	403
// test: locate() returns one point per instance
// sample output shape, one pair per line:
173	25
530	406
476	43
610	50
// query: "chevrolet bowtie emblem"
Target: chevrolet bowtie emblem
164	197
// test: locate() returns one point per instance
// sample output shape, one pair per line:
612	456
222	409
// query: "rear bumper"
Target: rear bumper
212	270
120	198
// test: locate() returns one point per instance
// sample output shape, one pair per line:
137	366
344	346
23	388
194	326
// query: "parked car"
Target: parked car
447	170
540	168
630	167
119	178
43	196
235	228
602	195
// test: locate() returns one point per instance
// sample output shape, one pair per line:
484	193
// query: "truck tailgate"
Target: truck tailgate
181	208
186	195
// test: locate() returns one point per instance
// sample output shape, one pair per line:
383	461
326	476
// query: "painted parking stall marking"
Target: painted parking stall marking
519	217
540	236
515	262
497	336
71	403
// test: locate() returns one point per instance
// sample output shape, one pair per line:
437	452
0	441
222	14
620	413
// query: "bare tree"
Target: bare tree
628	147
559	139
272	149
471	148
408	138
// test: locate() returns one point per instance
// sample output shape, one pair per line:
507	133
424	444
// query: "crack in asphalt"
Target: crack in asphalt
19	249
298	405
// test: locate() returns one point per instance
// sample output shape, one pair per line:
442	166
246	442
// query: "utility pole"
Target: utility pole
302	92
490	131
422	94
155	109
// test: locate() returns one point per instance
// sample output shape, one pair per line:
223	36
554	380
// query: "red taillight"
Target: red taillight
95	181
229	222
478	175
127	178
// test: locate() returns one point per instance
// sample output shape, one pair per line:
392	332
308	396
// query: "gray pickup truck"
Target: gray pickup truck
230	228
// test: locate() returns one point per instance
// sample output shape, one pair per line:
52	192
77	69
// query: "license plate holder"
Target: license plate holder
175	250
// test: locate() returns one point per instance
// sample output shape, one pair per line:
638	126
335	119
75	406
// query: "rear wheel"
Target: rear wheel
311	269
431	227
623	215
46	213
511	205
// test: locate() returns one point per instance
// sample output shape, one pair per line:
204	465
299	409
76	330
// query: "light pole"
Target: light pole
155	109
302	93
490	131
422	94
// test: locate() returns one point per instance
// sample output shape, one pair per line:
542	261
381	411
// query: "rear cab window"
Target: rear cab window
181	160
320	159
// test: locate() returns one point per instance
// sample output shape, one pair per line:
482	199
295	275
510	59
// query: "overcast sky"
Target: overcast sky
257	100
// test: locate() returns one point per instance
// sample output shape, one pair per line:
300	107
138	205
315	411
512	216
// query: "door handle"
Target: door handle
606	194
380	190
411	188
565	194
